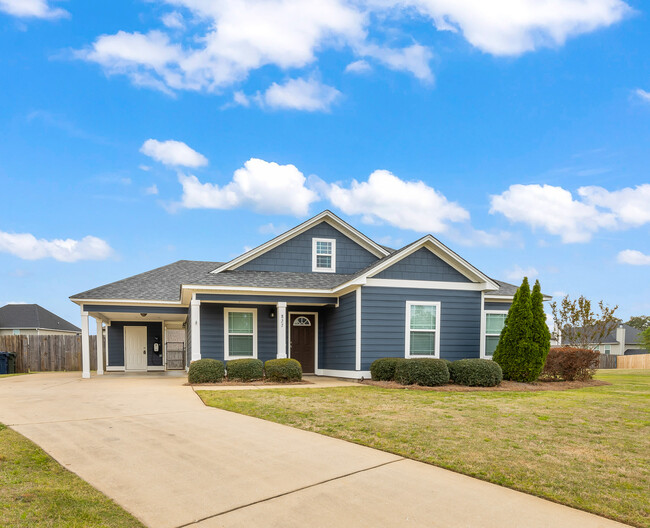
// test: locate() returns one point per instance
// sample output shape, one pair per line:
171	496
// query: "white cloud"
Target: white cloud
152	189
174	153
404	204
643	95
173	20
552	209
633	257
145	168
27	246
630	205
358	66
32	8
513	27
518	273
413	59
263	186
300	94
272	229
241	99
245	35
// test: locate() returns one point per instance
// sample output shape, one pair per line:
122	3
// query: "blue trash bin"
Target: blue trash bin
4	363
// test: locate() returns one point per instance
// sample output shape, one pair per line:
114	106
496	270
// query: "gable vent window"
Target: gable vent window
324	254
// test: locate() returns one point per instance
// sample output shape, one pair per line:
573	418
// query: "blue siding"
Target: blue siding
296	254
384	317
497	305
212	331
116	342
339	351
422	265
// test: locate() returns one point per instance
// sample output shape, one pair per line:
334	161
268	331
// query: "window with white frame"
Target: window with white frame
240	333
494	323
324	254
422	329
608	349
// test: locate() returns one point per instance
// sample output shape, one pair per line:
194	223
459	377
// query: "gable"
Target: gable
295	254
422	265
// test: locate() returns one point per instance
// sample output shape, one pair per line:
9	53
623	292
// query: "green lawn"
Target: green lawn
588	448
35	491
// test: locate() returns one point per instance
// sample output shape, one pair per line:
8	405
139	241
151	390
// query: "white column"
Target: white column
358	329
100	347
195	318
85	346
281	316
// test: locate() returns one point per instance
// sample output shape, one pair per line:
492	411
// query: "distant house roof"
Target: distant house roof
631	336
16	316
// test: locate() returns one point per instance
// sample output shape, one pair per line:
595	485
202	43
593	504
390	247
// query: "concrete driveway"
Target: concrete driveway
151	445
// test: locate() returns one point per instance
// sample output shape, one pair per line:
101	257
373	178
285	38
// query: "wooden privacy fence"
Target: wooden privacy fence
640	361
607	361
48	352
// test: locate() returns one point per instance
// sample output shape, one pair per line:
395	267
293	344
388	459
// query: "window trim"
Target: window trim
226	334
607	349
407	329
314	255
485	332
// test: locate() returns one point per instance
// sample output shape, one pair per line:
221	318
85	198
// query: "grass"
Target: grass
36	491
587	448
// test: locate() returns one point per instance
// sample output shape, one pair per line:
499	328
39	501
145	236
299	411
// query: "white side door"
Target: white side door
135	347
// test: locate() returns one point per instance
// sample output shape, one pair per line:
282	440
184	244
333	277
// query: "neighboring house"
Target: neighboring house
32	319
623	340
322	293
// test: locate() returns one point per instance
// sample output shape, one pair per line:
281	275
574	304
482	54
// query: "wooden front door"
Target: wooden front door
302	335
135	347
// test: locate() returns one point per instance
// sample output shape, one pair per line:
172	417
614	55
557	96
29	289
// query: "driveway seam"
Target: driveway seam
267	499
102	418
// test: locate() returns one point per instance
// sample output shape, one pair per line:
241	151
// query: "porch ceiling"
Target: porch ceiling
136	317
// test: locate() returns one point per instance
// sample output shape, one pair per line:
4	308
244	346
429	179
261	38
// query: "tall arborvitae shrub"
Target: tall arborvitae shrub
541	333
517	354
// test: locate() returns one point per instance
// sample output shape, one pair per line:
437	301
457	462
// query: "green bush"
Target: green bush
428	372
205	371
476	372
384	369
283	370
245	369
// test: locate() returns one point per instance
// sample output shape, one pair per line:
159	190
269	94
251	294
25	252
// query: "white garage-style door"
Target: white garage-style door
135	347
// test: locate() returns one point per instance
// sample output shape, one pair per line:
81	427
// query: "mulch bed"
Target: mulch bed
248	383
506	386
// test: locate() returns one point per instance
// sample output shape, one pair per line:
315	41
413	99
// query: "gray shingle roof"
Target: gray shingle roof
505	288
273	279
160	284
33	316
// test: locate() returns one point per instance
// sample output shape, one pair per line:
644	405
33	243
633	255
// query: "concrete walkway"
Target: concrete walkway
151	445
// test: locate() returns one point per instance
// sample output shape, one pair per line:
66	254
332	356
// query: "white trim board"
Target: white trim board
426	285
327	216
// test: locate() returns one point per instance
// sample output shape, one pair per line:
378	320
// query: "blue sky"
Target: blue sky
136	133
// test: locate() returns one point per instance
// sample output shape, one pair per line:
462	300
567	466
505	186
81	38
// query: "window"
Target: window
16	332
240	333
422	329
302	321
324	254
494	323
608	349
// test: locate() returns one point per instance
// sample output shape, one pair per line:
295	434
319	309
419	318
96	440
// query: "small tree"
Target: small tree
578	325
644	339
517	353
640	322
541	334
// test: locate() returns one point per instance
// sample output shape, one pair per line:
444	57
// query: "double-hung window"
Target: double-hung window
494	323
608	349
240	333
324	254
422	329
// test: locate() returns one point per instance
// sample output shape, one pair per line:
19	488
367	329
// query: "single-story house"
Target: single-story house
322	293
32	319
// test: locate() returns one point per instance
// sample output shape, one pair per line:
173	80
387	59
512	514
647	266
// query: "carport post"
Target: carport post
100	347
85	345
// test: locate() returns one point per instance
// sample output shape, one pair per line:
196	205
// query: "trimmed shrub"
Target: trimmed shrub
384	369
428	372
283	370
571	363
205	371
245	369
476	372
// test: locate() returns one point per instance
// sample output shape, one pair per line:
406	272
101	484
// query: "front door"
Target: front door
135	347
303	340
